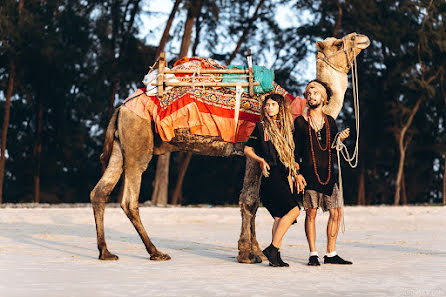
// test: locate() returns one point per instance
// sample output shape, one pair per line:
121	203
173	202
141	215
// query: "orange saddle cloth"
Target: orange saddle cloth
206	111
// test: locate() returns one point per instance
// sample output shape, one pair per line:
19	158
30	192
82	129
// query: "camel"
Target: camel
130	142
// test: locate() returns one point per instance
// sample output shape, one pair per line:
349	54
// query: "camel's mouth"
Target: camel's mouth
362	41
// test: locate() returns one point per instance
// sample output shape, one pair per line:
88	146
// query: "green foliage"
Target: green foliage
79	58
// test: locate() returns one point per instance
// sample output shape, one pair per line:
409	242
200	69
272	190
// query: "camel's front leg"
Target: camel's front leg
255	249
249	251
99	197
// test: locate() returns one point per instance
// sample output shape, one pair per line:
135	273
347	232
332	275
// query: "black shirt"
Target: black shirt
263	147
304	156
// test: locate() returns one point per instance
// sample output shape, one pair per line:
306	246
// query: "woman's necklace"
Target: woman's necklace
278	125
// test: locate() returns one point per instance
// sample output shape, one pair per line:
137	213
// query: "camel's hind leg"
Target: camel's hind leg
130	194
99	197
137	143
249	251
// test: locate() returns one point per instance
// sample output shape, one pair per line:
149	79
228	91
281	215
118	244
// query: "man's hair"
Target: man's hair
327	89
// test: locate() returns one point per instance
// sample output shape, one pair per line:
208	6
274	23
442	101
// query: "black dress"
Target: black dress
275	193
304	154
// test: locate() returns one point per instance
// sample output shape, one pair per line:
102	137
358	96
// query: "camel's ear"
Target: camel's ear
320	45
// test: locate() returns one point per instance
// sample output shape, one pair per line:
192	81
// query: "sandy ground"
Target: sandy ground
396	251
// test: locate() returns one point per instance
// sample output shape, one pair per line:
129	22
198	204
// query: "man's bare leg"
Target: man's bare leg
332	233
310	228
310	231
333	229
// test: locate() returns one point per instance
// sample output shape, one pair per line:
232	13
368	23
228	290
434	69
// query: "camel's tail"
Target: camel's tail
109	138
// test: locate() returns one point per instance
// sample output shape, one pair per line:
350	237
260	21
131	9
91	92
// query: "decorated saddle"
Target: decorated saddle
206	111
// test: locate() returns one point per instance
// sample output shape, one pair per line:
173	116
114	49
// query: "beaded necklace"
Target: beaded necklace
328	144
318	133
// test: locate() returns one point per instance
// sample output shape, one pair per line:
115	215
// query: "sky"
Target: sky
153	24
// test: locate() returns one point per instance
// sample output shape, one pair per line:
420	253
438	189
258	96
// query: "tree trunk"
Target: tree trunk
361	187
192	13
402	145
245	32
192	16
403	190
338	20
444	178
167	29
197	31
111	104
37	151
161	182
6	125
399	177
177	197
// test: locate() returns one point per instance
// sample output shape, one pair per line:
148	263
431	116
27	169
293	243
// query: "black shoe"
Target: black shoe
271	253
313	261
281	263
336	260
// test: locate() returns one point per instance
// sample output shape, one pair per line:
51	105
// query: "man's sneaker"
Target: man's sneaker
313	261
335	260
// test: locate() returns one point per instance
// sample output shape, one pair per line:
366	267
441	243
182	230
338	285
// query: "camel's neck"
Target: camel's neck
337	82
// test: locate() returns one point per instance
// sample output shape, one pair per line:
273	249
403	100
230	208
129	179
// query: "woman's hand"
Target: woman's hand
265	167
344	134
300	183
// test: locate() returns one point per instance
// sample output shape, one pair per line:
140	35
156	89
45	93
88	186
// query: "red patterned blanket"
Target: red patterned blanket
205	111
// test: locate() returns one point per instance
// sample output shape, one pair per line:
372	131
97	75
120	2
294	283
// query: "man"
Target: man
313	136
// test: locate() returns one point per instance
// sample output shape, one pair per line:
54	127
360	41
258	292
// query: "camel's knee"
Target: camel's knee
249	207
99	194
105	185
125	208
130	210
134	211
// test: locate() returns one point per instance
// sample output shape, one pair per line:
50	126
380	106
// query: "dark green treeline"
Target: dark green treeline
71	62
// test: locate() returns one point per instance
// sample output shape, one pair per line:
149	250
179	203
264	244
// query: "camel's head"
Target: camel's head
339	53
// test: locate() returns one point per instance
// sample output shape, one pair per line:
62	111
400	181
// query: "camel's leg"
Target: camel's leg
137	143
255	249
132	183
249	251
99	197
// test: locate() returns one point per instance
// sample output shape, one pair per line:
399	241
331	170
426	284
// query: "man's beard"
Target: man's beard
314	106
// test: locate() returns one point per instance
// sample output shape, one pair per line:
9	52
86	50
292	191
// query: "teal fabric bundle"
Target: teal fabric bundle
262	75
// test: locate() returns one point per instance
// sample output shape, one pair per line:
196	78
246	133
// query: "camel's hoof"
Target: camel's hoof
160	257
257	259
107	256
248	258
261	256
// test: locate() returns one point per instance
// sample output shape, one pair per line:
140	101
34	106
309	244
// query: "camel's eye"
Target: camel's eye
339	44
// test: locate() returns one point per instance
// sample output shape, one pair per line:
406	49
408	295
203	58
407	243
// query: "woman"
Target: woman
271	144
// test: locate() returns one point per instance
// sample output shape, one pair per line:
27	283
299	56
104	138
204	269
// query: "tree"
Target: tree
9	22
161	182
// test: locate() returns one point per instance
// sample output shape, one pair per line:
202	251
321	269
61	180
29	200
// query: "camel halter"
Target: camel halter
337	143
343	50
